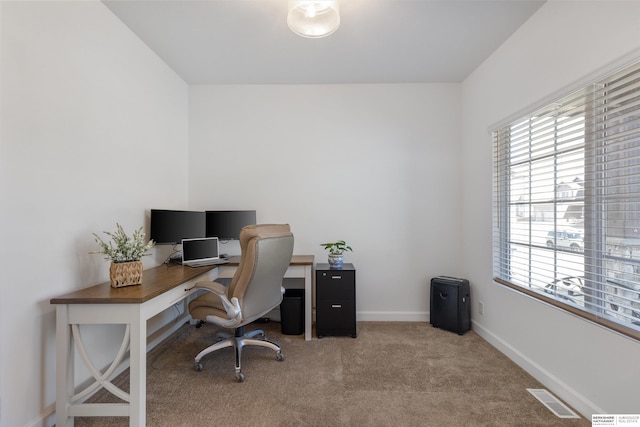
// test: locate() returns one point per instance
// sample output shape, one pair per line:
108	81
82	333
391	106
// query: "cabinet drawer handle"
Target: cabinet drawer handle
336	305
336	277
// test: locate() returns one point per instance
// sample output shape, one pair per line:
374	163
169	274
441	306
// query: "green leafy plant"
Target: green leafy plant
123	248
337	248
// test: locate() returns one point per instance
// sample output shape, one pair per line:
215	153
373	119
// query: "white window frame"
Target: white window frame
599	125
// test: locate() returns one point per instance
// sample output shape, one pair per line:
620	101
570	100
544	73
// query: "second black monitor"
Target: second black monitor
226	225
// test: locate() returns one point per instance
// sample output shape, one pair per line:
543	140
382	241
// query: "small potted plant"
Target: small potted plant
125	253
336	252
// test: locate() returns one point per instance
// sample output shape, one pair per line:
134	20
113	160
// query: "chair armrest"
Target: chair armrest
231	307
214	287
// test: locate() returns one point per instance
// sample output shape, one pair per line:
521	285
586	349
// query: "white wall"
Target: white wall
593	369
94	132
376	165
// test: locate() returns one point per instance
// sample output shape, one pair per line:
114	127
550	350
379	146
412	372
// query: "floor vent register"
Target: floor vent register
552	403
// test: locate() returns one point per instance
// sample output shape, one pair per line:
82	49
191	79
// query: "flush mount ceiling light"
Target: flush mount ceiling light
313	18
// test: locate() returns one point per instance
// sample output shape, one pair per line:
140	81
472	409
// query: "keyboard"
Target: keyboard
210	262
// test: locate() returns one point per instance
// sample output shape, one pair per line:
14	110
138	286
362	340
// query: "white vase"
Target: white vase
336	261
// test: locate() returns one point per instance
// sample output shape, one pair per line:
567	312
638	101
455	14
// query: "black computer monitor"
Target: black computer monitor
226	225
169	227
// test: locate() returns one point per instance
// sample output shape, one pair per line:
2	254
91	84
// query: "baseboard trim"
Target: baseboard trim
392	316
46	419
574	399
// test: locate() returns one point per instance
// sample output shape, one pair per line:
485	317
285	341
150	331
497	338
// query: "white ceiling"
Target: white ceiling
379	41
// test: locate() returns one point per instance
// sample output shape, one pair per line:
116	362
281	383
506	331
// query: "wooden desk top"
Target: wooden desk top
155	281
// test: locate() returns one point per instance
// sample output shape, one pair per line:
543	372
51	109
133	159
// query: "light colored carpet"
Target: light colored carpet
393	374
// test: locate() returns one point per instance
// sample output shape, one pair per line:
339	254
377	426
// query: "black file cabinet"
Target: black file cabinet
335	300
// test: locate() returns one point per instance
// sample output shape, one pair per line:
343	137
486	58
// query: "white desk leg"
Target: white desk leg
64	367
138	368
308	289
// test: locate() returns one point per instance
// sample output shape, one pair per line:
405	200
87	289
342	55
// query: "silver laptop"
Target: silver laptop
201	251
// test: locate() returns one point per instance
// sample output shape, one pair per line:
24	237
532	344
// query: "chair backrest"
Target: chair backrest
266	251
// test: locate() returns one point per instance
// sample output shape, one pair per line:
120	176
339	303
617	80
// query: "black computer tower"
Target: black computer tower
450	306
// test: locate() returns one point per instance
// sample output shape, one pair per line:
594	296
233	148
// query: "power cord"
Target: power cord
174	257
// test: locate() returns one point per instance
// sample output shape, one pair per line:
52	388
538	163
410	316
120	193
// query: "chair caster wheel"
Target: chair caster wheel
240	377
198	366
279	356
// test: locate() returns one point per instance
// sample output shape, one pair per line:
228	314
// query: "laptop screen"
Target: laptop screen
200	250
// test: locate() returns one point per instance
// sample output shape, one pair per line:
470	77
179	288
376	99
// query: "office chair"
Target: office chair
255	289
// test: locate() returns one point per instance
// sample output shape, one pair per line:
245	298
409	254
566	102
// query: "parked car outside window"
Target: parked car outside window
565	239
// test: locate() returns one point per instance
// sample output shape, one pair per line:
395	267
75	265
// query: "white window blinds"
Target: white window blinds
567	202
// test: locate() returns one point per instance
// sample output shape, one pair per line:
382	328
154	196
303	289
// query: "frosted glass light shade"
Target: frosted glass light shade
313	18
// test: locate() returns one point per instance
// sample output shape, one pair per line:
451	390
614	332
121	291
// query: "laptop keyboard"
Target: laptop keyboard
210	262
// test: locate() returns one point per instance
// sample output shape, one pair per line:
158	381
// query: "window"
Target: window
567	202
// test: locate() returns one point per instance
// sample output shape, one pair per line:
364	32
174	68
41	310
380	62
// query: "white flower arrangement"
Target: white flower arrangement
124	248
